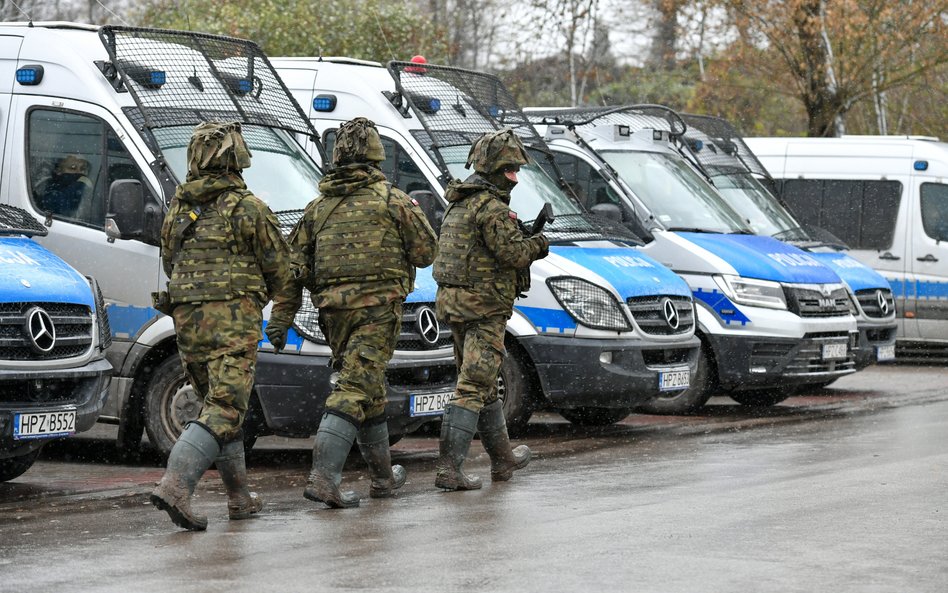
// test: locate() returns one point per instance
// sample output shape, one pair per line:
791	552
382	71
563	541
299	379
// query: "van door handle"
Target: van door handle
928	257
888	255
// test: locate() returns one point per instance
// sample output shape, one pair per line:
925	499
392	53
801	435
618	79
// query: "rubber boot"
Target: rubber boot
191	456
333	440
373	443
241	502
492	427
457	430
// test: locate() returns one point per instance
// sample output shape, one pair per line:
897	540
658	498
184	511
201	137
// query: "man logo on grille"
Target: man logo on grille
671	313
40	330
883	302
428	326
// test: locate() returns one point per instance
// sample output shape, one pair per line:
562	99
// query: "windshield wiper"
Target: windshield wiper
741	232
799	231
684	229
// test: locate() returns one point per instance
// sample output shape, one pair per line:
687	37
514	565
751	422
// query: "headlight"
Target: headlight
306	322
750	291
591	305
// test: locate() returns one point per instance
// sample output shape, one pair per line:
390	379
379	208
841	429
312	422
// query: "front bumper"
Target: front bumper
755	362
84	388
603	373
871	338
292	390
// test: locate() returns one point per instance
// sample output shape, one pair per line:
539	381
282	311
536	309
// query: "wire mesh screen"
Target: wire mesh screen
182	78
718	146
447	99
569	228
637	117
16	221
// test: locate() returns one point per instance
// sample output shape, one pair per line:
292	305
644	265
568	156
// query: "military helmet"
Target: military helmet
357	141
217	146
496	151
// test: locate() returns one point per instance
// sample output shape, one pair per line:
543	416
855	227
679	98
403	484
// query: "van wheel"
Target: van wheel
760	398
688	400
14	467
170	403
514	389
594	416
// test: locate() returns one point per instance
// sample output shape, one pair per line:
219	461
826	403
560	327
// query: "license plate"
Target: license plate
428	404
885	352
672	380
42	425
834	351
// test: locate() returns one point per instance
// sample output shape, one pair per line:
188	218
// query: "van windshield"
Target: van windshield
534	187
675	195
763	213
280	173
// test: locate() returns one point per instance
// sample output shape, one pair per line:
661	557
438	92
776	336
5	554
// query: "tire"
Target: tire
686	401
13	467
170	404
595	416
762	398
514	388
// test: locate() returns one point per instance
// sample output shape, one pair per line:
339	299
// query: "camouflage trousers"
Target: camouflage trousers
224	383
362	342
479	351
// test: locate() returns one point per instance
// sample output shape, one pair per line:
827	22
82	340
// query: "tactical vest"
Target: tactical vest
463	258
209	264
359	241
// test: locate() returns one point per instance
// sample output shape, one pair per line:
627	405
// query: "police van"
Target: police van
603	327
887	198
94	124
719	152
771	318
54	331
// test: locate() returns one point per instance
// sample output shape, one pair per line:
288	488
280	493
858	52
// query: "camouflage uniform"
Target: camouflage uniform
225	258
480	252
358	245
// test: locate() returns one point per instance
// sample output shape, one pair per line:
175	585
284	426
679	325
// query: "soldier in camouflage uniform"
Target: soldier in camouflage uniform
482	254
359	243
225	257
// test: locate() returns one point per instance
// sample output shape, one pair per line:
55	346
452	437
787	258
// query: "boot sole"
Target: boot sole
177	517
455	486
505	475
331	503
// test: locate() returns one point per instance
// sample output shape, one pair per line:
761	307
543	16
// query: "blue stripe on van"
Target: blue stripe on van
856	274
127	321
721	305
548	320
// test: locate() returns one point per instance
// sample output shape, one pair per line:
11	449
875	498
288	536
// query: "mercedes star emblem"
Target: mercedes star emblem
40	330
883	302
671	313
428	326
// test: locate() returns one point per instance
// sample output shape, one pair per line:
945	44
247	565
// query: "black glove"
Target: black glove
276	333
545	247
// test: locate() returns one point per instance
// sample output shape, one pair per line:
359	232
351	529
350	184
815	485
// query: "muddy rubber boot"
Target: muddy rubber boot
333	441
231	464
373	443
492	427
191	456
457	430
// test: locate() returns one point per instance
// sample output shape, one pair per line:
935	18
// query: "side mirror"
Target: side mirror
431	206
609	211
124	217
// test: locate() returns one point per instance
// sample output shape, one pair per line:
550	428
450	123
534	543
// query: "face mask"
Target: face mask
68	178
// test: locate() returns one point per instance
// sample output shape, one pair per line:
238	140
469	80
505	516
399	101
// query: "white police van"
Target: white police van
54	330
887	198
603	327
94	124
719	152
770	317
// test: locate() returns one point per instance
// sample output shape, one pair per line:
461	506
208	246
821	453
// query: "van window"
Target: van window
586	182
400	170
72	160
934	204
862	213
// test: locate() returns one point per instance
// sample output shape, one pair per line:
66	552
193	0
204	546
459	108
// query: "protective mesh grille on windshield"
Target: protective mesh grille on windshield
718	146
179	78
637	117
17	221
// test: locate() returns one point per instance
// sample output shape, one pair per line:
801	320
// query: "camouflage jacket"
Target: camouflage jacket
416	238
497	239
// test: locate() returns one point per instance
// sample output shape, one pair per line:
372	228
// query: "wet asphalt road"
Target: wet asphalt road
845	490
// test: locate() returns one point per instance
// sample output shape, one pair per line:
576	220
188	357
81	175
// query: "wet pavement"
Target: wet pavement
842	490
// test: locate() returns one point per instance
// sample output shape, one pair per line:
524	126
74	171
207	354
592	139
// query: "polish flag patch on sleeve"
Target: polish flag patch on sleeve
513	215
414	201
